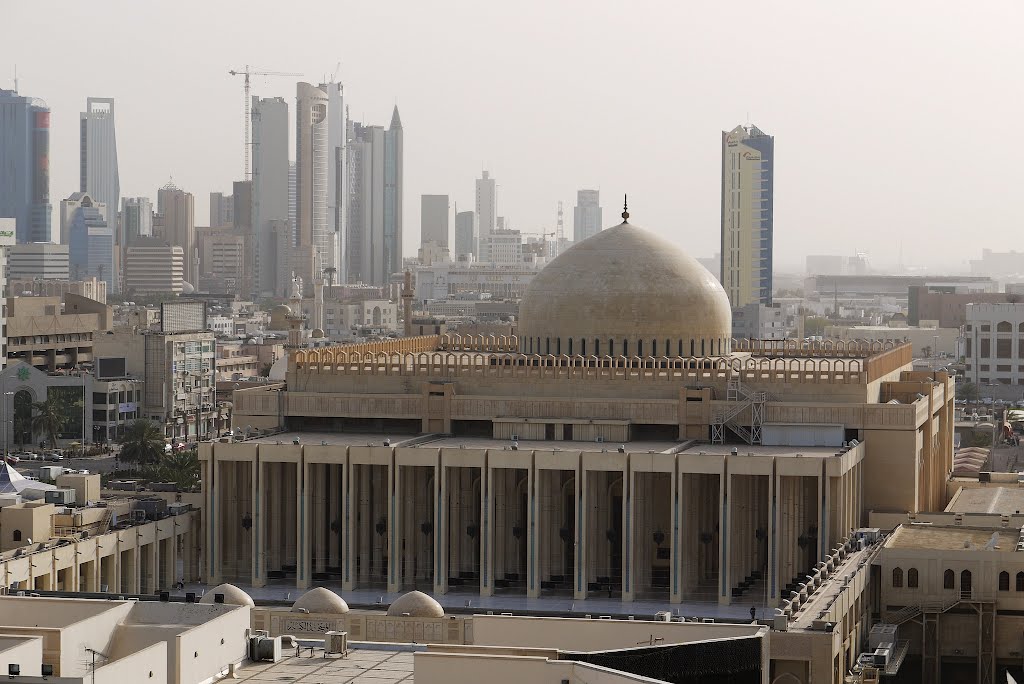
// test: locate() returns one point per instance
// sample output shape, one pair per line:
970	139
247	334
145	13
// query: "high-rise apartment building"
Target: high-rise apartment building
38	261
98	174
337	177
465	233
25	165
374	243
486	214
272	186
435	223
748	180
586	215
177	211
90	239
136	219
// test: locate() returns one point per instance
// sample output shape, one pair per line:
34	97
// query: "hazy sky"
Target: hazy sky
884	113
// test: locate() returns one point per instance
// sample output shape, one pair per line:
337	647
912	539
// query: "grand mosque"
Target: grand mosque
619	444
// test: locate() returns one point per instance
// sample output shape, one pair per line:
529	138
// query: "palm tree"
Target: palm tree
50	418
329	274
142	443
181	467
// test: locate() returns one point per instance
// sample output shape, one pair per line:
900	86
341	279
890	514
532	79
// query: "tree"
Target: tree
50	418
265	369
143	443
815	326
181	468
329	274
967	391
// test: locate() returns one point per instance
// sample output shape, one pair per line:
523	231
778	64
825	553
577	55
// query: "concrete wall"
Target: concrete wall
26	652
148	666
574	634
210	648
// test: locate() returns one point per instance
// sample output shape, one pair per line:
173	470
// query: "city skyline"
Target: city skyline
670	172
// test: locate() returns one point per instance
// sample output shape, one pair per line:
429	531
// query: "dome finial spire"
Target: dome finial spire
625	208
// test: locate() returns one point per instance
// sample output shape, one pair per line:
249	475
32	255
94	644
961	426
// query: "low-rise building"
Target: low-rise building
50	333
994	345
93	288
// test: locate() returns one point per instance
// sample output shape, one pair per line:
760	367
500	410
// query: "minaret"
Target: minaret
407	295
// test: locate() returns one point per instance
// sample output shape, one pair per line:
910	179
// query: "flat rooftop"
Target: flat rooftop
761	450
951	538
360	667
1000	500
441	441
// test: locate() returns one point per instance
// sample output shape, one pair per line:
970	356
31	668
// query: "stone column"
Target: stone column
441	524
257	533
303	537
489	545
583	532
725	539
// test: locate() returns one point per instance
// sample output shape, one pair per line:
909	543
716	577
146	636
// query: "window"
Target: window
1020	581
1004	348
912	578
965	582
1004	326
1004	581
986	347
986	328
948	578
16	535
897	577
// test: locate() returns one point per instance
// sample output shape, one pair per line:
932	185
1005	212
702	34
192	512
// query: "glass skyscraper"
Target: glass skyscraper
25	165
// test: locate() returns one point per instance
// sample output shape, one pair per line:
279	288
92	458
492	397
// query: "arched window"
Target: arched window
1020	328
1020	581
558	346
1004	581
965	582
897	577
639	347
531	345
547	344
583	346
625	347
1004	326
703	352
948	578
597	347
16	535
912	578
611	347
680	347
692	350
570	346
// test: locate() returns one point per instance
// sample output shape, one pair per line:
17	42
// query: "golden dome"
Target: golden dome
625	291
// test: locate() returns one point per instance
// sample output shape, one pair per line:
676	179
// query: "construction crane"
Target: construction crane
559	231
248	72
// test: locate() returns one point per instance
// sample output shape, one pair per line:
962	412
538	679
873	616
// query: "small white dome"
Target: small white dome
416	604
232	596
321	600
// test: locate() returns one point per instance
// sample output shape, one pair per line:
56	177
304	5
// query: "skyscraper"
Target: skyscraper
136	219
272	184
586	215
98	155
465	233
486	214
434	219
374	242
313	242
337	178
748	180
222	210
25	165
90	239
177	211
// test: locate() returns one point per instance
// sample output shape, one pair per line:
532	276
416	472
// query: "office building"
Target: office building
994	346
313	242
136	219
177	212
153	266
587	220
435	219
222	210
272	181
748	182
25	165
8	237
375	164
337	178
90	239
465	233
54	333
486	214
38	260
98	175
223	261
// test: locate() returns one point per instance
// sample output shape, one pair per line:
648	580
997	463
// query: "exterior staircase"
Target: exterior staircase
740	399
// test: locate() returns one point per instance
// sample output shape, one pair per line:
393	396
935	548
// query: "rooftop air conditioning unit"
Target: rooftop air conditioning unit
600	440
336	642
515	438
265	649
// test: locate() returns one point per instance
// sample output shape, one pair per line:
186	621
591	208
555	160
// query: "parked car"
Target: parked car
54	456
13	460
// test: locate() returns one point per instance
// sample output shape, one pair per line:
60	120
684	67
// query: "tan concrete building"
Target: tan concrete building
154	266
93	288
51	333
